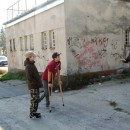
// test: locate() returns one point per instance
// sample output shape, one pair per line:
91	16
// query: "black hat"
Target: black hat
55	54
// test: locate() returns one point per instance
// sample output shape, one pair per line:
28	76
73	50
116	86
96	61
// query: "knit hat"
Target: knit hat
30	53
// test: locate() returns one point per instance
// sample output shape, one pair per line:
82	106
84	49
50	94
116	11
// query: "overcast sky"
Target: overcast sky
4	4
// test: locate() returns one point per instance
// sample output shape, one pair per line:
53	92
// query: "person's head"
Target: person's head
30	55
56	56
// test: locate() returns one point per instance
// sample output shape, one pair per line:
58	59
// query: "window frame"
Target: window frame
52	37
14	45
26	42
10	41
31	37
21	43
44	40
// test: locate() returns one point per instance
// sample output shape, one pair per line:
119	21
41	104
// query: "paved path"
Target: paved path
86	109
12	88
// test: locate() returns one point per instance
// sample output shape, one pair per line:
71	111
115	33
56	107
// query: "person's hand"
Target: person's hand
60	82
50	85
122	59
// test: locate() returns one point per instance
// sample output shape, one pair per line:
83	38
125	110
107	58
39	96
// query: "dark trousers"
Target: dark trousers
46	93
45	84
34	93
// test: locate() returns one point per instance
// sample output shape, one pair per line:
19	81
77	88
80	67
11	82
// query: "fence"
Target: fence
21	6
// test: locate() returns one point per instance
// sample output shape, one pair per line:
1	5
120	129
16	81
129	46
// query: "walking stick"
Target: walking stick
50	94
50	98
61	94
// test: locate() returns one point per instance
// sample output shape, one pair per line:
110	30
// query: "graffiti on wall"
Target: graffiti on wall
115	54
74	41
94	52
42	60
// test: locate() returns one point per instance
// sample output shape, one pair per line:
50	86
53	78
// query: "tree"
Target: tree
3	41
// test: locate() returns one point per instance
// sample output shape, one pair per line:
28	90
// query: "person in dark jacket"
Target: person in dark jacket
34	83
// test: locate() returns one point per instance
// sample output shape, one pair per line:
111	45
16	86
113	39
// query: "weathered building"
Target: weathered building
92	35
1	52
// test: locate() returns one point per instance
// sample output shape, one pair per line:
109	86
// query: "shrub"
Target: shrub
76	81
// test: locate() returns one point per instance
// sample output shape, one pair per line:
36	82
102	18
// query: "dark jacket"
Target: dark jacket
34	81
127	59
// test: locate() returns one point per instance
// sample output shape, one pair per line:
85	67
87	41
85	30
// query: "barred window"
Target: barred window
25	42
44	40
21	43
10	41
14	47
52	39
127	37
31	42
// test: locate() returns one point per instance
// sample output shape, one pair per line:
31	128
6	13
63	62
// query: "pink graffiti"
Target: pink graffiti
90	58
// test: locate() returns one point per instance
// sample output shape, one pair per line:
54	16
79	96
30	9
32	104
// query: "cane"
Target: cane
50	94
50	98
61	94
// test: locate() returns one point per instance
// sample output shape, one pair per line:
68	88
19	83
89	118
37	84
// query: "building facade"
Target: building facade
92	35
1	52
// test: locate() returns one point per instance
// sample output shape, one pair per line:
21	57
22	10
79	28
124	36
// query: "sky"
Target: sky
4	4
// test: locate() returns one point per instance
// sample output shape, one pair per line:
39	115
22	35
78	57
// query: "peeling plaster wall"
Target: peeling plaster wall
52	19
95	34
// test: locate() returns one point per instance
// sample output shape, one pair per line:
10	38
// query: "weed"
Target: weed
113	103
118	109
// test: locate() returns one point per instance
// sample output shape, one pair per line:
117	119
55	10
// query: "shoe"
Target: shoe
35	115
56	91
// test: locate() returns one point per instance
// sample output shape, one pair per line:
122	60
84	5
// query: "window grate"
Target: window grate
44	40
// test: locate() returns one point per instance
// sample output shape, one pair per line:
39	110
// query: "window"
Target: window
25	42
44	40
10	41
14	48
21	43
127	37
52	39
31	42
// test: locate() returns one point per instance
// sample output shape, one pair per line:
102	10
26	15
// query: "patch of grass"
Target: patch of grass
11	76
129	113
113	103
118	109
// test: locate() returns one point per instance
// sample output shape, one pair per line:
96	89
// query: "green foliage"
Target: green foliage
16	75
113	103
75	81
3	41
115	106
118	109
